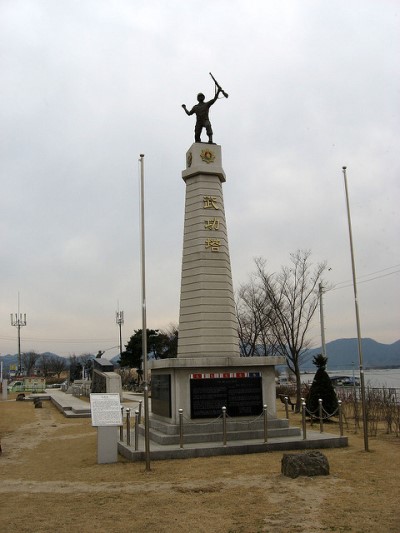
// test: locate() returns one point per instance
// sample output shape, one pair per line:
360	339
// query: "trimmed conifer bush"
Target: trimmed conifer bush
321	388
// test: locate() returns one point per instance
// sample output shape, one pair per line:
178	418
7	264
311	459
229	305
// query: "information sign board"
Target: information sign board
106	409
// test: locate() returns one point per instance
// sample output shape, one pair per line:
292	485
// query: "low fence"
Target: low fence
223	419
382	406
81	389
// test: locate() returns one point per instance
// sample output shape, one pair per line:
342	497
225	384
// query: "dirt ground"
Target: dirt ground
50	481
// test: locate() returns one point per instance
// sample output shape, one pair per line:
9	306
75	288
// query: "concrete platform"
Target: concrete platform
73	407
315	440
69	405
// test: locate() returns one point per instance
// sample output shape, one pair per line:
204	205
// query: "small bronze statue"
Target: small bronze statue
201	111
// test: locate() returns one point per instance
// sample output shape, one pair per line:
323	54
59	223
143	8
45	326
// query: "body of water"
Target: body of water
389	377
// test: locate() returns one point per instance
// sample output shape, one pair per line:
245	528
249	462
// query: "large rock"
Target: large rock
304	464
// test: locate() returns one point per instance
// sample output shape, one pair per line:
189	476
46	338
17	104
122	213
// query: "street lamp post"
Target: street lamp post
360	356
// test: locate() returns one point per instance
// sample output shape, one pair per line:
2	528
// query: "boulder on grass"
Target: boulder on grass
304	464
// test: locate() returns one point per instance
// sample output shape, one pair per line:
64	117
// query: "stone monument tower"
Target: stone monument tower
208	373
208	381
207	322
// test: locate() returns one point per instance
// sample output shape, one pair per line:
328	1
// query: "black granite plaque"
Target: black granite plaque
240	396
161	394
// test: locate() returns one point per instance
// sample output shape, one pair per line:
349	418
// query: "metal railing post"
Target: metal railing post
287	407
121	427
140	411
265	423
340	418
320	414
180	428
128	426
136	429
224	425
303	416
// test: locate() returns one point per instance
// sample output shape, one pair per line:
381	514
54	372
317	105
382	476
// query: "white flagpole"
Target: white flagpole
144	326
360	356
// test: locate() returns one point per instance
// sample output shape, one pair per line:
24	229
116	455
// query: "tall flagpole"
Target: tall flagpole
360	356
321	315
144	326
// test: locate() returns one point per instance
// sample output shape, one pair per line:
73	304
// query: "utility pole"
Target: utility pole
360	355
119	319
18	321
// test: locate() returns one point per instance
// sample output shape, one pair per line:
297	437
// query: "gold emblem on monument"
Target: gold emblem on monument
207	156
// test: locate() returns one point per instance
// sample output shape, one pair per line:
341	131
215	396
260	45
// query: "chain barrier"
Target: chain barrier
204	423
315	414
321	416
247	422
225	417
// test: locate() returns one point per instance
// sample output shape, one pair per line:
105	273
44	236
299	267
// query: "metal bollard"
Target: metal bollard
303	416
140	411
340	418
265	423
128	426
180	428
320	414
224	425
121	428
137	429
287	406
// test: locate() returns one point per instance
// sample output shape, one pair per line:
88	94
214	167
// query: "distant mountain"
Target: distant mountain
342	353
8	359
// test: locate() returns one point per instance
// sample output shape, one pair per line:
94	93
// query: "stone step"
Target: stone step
217	436
215	426
162	439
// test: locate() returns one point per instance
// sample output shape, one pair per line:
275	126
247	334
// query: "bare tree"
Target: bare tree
85	357
58	365
45	364
29	360
293	295
253	313
275	311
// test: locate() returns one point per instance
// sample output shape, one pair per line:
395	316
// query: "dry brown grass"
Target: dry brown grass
50	481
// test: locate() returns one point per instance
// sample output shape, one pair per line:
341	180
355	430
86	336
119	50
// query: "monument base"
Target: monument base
187	383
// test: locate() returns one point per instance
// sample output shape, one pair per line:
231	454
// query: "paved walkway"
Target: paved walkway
74	407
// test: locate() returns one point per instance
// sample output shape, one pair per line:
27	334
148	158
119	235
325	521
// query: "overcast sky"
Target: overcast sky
88	85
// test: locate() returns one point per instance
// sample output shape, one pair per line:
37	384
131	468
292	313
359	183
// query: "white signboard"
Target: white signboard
106	410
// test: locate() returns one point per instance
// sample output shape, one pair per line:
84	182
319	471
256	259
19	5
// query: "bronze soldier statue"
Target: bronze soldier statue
201	110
